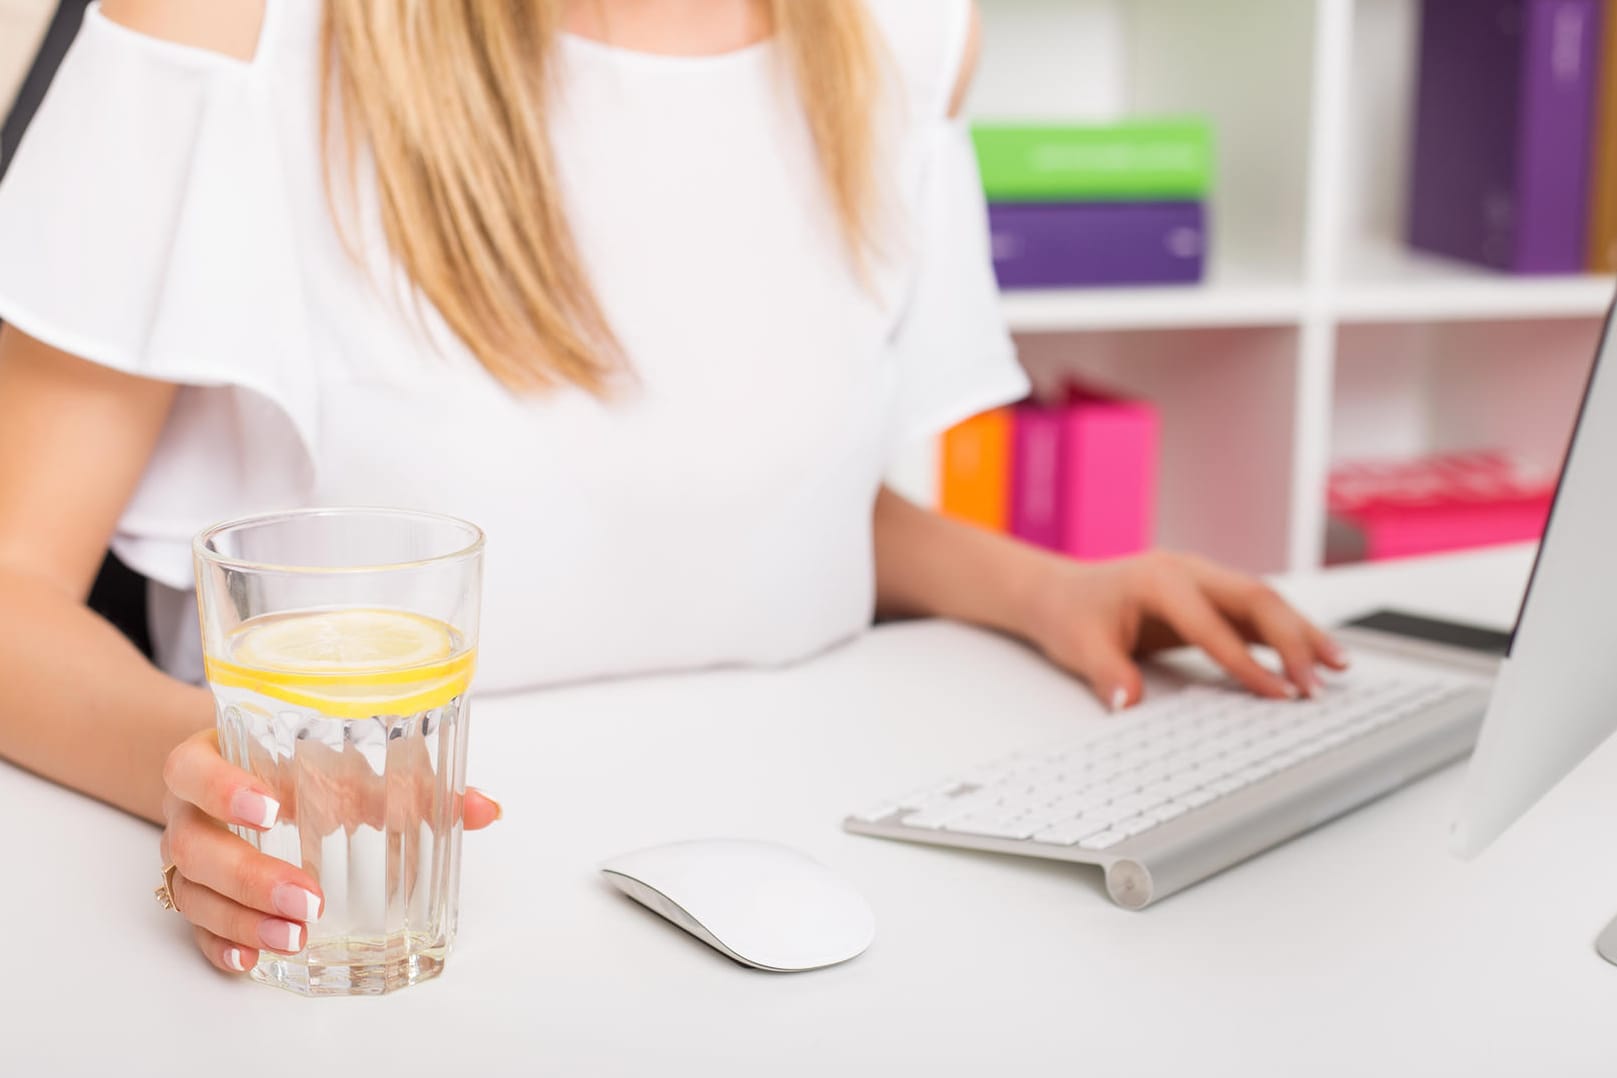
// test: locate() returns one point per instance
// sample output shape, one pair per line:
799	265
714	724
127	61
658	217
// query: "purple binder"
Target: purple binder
1053	245
1503	122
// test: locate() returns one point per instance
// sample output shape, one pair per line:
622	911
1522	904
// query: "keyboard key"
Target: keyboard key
1103	841
1039	819
1019	804
1312	748
991	827
1112	791
880	812
1171	811
1165	789
1068	834
1133	804
1181	783
1289	758
1137	825
1071	805
1255	773
919	799
949	809
1197	798
927	820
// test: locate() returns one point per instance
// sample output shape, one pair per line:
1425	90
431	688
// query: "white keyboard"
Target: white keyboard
1185	758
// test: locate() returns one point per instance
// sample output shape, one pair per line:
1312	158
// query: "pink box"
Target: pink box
1084	479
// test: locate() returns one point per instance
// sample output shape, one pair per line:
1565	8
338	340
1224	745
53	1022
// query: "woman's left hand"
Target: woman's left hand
1096	618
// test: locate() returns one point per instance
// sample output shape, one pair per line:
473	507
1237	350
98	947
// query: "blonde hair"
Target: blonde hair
450	99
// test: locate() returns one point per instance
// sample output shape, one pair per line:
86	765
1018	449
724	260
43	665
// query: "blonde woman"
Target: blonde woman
650	289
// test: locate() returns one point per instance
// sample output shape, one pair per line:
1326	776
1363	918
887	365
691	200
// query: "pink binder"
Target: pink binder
1109	460
1036	480
1085	474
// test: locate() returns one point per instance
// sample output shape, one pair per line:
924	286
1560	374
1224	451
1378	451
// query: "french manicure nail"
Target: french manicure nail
234	961
279	935
1120	699
499	809
298	903
255	809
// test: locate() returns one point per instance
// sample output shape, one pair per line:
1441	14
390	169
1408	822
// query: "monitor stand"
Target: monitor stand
1607	943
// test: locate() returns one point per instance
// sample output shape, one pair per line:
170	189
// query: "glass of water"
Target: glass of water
339	645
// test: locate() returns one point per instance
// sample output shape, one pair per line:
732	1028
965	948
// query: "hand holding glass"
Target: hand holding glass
339	645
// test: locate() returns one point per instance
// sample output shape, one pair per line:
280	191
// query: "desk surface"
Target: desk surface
1363	948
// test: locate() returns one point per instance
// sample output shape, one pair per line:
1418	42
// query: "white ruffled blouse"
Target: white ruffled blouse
166	215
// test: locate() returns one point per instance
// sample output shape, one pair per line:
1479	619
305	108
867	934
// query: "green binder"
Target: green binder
1168	160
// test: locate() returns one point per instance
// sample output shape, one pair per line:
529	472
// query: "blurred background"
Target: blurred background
1299	281
1375	336
22	25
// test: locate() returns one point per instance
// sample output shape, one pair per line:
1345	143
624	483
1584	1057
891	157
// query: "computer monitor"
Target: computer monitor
1555	698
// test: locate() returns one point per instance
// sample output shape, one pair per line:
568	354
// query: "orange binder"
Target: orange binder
1603	184
977	470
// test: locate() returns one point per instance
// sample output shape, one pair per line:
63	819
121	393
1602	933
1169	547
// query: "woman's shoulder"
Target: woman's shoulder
933	43
229	28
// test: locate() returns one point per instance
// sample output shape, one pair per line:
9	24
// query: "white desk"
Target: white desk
1361	949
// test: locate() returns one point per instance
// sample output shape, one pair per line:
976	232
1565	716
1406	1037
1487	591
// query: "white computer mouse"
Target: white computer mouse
763	904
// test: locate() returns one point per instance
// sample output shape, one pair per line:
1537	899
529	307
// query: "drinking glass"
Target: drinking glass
339	645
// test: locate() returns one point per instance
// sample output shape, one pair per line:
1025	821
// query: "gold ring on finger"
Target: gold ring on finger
165	893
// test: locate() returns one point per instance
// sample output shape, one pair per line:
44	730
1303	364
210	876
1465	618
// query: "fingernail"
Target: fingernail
298	903
1334	652
1291	691
1120	699
233	959
254	809
499	809
281	935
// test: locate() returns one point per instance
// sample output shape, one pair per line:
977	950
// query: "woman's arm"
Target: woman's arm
930	566
78	703
1093	618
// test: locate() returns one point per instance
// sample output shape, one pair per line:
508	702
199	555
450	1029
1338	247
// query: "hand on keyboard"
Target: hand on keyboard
1096	618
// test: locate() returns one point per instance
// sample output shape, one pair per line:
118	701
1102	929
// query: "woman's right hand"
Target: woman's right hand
238	900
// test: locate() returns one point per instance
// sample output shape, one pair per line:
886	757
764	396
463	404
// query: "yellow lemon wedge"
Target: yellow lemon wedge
347	664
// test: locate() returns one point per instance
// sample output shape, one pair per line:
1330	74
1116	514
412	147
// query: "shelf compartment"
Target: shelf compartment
1404	390
1225	397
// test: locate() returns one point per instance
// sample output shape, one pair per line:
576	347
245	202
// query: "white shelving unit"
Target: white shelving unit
1317	336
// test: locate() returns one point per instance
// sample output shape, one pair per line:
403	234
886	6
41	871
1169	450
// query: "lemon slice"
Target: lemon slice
347	663
342	641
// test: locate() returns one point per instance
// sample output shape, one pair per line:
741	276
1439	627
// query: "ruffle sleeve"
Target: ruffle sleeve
954	352
145	226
